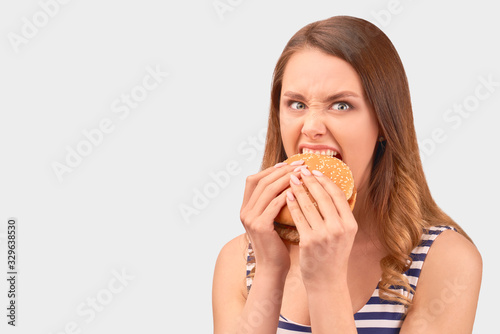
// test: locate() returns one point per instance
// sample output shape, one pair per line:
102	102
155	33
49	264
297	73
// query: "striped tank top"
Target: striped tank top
377	316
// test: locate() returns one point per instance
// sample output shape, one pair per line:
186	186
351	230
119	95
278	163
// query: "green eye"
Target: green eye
298	105
342	106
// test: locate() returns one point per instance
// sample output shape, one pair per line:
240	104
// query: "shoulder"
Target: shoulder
230	267
453	252
229	284
234	250
452	257
448	288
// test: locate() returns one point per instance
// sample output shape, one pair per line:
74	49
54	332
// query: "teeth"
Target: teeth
330	153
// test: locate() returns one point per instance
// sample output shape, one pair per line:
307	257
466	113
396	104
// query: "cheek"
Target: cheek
359	146
290	131
361	164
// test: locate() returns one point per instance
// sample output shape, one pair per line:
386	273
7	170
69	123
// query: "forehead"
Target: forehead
313	71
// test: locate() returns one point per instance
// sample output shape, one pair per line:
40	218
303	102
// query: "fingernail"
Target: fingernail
305	171
299	168
280	164
295	179
317	173
290	196
296	163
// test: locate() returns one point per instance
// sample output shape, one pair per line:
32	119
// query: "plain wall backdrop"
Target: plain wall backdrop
127	129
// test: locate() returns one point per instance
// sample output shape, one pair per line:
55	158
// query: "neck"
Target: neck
365	216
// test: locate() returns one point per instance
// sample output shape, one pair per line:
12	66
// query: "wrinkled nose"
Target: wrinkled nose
314	126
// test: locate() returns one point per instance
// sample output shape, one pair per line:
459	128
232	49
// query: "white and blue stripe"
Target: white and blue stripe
377	316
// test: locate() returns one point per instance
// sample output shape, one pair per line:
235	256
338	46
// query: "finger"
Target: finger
305	203
324	201
266	223
274	207
263	196
300	221
252	181
337	196
269	186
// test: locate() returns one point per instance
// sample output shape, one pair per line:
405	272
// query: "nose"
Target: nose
314	126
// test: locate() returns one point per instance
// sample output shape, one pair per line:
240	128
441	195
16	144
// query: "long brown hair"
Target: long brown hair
398	190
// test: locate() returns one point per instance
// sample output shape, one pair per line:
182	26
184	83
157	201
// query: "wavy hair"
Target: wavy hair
397	190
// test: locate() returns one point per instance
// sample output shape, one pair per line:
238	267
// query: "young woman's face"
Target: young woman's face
323	110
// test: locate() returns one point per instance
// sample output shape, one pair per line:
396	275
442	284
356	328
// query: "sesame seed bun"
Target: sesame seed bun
331	167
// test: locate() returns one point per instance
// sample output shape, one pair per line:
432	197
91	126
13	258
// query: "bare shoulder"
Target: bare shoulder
230	267
448	288
232	254
452	253
229	284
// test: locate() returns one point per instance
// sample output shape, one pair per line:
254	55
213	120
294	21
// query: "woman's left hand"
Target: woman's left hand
326	239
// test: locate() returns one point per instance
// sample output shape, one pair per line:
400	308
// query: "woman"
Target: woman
339	85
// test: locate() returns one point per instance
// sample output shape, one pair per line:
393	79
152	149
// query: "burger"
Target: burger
331	167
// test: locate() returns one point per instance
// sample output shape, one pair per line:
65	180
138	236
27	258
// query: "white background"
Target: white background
119	209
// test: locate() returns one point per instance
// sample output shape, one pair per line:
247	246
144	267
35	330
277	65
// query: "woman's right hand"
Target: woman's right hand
263	199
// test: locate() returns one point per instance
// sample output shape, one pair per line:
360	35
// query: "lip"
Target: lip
320	148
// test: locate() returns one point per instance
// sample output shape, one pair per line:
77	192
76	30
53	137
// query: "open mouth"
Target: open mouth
330	153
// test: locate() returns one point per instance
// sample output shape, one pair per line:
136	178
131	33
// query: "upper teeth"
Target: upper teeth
330	153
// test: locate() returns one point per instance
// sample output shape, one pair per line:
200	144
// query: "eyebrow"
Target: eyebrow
333	97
